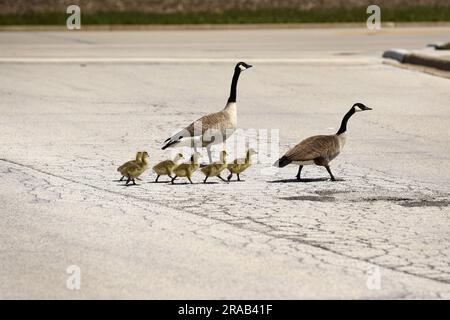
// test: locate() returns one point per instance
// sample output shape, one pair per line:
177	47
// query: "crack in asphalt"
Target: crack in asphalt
293	232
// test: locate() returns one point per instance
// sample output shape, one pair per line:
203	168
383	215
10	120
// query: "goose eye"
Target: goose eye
180	137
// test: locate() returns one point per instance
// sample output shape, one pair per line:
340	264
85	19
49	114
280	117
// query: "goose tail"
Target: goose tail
169	143
282	162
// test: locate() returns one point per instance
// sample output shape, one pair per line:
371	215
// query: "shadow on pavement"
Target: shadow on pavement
302	180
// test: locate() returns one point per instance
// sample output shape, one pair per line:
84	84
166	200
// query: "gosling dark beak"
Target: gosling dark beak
367	108
249	66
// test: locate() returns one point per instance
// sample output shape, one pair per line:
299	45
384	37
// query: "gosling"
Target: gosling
187	169
166	168
214	169
133	171
240	165
122	168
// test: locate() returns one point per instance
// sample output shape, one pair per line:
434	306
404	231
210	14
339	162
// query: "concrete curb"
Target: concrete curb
404	56
396	54
439	46
428	61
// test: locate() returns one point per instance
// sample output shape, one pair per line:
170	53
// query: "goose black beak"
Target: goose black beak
364	108
249	66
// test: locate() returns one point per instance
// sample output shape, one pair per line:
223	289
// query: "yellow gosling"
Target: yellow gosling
134	170
165	168
187	169
214	169
122	168
240	165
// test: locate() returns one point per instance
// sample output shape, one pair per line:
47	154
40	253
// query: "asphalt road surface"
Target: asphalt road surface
76	105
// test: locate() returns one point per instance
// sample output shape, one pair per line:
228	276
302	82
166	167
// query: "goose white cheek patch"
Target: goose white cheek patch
242	68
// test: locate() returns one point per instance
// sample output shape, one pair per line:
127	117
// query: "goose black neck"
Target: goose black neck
233	91
347	116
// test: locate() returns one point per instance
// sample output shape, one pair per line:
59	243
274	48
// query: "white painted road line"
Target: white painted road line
306	61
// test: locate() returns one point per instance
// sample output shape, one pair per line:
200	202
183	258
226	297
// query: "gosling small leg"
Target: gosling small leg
190	180
128	181
299	172
206	178
331	175
230	176
173	180
121	179
239	178
220	177
157	177
134	182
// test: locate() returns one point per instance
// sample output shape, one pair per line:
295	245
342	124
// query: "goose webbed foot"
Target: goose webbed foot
220	177
173	180
121	179
156	180
190	180
239	178
206	178
229	177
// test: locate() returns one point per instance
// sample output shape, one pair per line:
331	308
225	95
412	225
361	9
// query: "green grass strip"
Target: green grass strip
412	14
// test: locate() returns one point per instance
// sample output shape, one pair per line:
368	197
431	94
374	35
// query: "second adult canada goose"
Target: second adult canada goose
320	150
213	128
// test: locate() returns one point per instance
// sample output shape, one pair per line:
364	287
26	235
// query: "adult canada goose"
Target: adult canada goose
134	170
122	168
165	168
320	150
213	128
214	169
240	165
187	169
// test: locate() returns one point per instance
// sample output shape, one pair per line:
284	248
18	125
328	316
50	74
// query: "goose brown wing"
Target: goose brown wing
313	147
218	120
211	121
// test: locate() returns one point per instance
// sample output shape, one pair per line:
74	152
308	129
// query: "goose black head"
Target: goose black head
357	107
242	66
